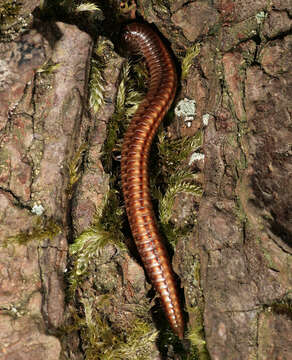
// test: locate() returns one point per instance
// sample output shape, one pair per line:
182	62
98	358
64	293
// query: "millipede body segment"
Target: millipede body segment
141	39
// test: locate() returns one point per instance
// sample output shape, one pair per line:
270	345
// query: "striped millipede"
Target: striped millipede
141	39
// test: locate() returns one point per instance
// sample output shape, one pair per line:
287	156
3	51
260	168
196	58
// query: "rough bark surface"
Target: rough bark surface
236	266
42	125
244	225
242	245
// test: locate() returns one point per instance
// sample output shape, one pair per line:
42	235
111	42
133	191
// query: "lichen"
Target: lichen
205	119
186	109
38	209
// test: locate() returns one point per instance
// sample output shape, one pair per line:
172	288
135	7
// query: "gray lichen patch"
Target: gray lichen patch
186	109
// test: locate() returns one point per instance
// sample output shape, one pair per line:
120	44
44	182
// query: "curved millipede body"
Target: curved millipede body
140	38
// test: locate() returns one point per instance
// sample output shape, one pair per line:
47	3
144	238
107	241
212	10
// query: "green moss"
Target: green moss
178	178
160	6
96	85
87	6
48	68
187	61
106	229
197	272
127	103
74	168
44	229
101	341
196	336
178	183
174	152
243	127
9	10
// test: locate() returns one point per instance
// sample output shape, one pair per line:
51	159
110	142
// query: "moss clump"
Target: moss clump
96	97
178	183
100	339
175	152
177	178
90	7
96	83
87	247
127	103
74	168
9	10
85	14
101	342
192	52
44	229
196	336
161	6
48	68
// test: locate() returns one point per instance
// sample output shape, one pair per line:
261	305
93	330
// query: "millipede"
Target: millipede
142	39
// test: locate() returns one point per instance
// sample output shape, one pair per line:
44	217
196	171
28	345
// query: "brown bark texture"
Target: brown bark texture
235	266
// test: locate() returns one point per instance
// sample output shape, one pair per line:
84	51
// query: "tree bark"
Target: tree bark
235	266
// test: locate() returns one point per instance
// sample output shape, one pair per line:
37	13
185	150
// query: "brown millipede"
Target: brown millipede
140	38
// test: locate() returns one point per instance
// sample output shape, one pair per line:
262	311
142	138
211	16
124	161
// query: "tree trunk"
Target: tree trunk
234	265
